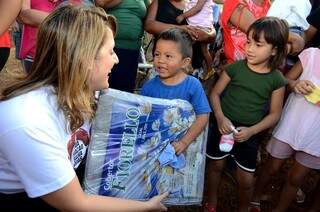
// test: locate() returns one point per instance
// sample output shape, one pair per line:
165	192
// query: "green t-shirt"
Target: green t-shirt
246	98
130	15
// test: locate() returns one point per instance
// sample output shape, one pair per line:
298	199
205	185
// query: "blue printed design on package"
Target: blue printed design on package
129	133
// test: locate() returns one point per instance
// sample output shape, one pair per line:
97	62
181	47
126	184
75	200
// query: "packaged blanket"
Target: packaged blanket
130	155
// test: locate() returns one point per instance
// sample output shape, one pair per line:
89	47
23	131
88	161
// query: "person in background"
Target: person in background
162	15
130	16
198	13
297	132
43	110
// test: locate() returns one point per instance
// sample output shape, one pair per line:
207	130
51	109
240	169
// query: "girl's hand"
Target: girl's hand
179	146
155	202
303	87
224	125
244	134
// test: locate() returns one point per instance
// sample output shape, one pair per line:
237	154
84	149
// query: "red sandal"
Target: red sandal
209	207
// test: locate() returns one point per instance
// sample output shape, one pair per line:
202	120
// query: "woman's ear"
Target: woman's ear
186	62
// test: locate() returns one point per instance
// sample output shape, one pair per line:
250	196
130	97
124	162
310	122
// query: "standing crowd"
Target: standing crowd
264	55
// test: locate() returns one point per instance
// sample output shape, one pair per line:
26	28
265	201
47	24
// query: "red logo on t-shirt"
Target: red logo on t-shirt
77	146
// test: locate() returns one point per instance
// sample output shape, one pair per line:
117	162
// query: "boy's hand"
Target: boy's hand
303	87
155	202
244	134
180	18
224	125
179	146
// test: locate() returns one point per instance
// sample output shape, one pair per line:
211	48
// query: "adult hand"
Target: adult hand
224	125
179	146
155	202
303	87
244	133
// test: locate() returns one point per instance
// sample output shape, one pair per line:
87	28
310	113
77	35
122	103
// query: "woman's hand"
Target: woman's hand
244	133
303	87
155	202
224	125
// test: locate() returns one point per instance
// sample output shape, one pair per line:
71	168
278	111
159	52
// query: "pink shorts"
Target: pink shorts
281	150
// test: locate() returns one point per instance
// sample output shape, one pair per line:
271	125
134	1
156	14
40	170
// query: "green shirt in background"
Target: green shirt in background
246	98
130	16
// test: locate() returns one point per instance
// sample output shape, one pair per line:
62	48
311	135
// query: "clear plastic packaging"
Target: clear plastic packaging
128	135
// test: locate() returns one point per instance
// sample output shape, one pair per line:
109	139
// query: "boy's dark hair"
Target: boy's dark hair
181	37
276	33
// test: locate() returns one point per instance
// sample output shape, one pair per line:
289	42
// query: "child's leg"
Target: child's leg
278	152
296	177
270	169
208	70
316	200
214	170
245	188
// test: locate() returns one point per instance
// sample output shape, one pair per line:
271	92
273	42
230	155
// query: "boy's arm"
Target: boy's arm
193	132
223	123
268	121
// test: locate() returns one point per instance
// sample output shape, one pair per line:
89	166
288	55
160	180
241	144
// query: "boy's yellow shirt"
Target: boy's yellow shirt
314	96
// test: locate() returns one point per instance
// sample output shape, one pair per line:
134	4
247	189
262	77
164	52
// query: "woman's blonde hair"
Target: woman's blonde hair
67	44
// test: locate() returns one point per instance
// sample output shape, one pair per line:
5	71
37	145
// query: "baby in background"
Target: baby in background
199	13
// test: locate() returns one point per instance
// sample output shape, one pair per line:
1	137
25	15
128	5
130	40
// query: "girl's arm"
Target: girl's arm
72	198
193	11
9	11
31	16
302	87
107	4
224	123
268	121
193	132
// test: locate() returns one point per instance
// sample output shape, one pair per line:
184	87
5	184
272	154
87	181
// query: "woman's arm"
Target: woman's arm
193	132
224	123
31	16
72	198
107	4
271	119
302	87
242	18
9	10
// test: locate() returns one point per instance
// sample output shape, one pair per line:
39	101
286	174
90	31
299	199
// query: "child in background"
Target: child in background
199	13
249	86
172	55
297	134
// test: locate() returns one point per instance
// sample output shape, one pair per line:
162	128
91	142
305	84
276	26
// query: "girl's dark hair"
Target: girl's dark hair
276	33
181	37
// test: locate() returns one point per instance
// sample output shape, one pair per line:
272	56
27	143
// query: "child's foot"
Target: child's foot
255	207
209	207
300	196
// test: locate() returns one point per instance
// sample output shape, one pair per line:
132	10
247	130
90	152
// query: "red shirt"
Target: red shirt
5	40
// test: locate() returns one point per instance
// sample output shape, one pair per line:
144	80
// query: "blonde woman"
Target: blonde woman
40	112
